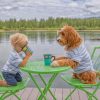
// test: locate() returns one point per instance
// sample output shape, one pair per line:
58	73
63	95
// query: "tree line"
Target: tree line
50	23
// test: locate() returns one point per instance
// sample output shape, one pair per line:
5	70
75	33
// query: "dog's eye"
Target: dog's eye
62	33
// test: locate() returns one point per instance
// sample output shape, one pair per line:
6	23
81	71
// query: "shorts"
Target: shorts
12	79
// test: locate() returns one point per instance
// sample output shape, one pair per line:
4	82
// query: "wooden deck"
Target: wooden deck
60	93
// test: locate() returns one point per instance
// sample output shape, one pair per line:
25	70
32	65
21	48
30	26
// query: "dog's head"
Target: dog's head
69	37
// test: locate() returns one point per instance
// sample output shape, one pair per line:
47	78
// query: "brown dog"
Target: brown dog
77	56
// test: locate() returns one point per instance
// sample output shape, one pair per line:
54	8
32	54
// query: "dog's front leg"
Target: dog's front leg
60	58
64	62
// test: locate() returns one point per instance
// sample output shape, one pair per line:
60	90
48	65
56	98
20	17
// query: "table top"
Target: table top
38	67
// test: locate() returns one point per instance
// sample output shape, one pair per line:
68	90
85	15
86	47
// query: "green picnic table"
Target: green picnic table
39	68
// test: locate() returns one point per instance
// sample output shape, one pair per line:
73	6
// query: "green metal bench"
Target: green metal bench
12	90
83	87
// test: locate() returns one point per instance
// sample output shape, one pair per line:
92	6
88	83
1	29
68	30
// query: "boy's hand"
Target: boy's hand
26	49
28	54
25	60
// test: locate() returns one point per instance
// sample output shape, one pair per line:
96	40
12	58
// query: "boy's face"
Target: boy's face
18	41
19	48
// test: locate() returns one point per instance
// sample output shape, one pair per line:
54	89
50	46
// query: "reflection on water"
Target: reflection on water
33	36
44	42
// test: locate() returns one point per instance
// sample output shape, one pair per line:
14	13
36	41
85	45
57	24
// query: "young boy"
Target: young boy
11	70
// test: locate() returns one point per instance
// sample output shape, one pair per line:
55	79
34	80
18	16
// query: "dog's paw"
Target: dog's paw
55	64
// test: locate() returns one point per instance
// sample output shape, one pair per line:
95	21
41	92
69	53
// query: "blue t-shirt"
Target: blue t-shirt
81	56
12	64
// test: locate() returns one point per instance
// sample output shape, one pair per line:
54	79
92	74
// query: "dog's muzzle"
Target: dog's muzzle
58	36
58	39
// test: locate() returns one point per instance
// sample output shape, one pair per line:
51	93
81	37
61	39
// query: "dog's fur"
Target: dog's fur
71	39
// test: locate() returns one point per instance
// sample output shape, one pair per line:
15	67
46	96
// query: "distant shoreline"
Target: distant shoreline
45	30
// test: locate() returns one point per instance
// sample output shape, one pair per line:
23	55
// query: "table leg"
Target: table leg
48	85
43	80
33	79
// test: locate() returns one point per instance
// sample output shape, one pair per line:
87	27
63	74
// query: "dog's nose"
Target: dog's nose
58	40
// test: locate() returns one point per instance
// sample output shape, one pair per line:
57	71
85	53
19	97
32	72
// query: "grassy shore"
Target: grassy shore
47	29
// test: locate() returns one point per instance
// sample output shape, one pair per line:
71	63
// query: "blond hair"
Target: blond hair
18	39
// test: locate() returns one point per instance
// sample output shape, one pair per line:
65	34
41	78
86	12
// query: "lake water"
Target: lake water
44	42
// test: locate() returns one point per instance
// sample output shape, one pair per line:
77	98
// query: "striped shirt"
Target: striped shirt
12	64
81	56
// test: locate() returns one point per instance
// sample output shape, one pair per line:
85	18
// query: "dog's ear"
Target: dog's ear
62	33
72	36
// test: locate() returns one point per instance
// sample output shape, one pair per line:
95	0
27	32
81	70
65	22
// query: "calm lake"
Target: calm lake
44	42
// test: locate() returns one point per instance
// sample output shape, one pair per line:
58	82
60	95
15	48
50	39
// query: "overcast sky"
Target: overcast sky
29	9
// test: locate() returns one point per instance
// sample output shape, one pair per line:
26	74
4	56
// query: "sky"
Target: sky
30	9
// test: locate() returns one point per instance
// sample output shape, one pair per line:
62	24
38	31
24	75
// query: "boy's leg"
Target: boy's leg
18	77
10	79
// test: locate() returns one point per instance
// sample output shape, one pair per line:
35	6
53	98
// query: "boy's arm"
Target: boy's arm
25	60
28	53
